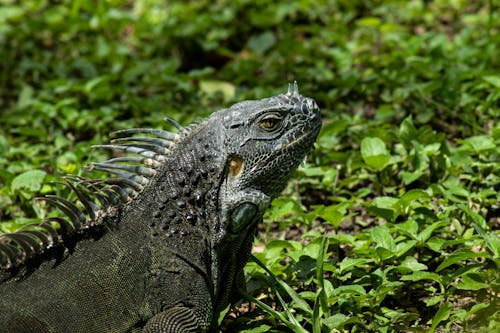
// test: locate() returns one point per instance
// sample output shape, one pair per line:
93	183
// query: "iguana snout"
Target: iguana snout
267	139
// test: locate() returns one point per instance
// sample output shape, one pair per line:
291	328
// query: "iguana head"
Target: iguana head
267	139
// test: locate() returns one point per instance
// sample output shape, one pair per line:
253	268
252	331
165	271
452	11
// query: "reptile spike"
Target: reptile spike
133	169
45	240
115	194
126	180
75	215
132	149
66	227
54	236
90	207
156	132
137	160
8	253
136	179
157	149
28	244
175	124
161	244
165	144
125	188
96	191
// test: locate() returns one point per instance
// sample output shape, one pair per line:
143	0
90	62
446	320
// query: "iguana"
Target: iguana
161	246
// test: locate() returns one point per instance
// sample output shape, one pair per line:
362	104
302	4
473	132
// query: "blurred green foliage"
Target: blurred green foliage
394	226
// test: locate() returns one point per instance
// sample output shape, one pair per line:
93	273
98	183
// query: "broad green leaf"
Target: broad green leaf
261	43
461	256
412	264
211	86
385	213
419	275
472	281
383	238
350	289
407	131
410	227
410	197
332	215
385	202
428	231
374	153
493	79
370	22
491	238
442	314
30	180
348	263
25	96
409	177
403	247
384	207
480	143
259	329
433	300
338	320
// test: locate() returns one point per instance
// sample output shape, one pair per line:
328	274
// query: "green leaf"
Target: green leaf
410	197
261	43
299	301
491	238
493	79
407	131
412	264
384	207
25	97
383	238
354	289
374	153
403	247
433	300
316	312
428	231
409	177
419	275
338	320
442	314
212	86
258	329
348	263
30	180
472	281
332	215
461	256
480	143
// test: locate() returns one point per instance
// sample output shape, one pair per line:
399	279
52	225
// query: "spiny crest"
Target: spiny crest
97	198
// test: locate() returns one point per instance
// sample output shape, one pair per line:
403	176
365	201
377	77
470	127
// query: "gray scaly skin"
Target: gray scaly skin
161	246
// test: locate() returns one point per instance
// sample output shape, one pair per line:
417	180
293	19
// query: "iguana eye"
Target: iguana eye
270	122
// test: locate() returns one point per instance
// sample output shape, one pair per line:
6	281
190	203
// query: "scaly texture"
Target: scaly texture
161	246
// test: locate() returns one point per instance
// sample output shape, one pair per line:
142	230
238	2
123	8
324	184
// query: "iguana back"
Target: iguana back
161	246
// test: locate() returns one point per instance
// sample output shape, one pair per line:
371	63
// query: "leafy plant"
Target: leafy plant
393	223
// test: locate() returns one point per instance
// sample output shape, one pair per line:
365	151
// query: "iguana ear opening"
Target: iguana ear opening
235	166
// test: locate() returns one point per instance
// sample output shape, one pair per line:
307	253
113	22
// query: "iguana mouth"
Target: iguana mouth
311	135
